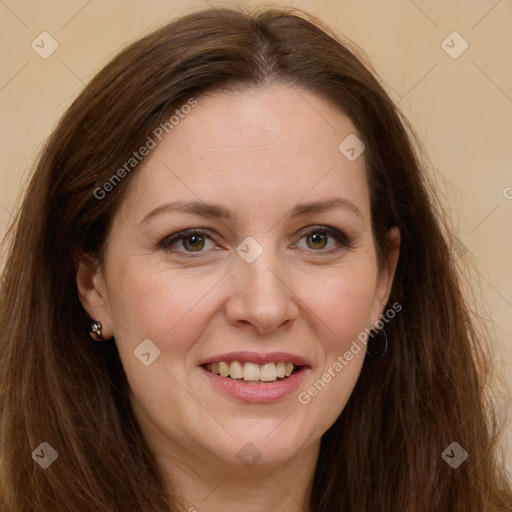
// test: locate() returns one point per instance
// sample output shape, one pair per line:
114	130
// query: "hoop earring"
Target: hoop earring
375	356
95	328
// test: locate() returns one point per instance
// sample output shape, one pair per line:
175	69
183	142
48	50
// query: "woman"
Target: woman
229	287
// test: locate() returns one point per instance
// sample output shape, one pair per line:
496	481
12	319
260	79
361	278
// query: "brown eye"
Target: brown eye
318	240
193	243
187	242
324	239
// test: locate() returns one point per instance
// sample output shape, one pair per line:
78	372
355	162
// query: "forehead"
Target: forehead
251	147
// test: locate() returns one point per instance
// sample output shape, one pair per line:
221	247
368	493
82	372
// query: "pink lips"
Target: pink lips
262	393
258	393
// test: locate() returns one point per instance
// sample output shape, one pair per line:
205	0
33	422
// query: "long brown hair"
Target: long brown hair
384	451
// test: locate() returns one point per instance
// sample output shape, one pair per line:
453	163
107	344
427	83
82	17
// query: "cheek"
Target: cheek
142	298
344	306
343	310
150	301
156	303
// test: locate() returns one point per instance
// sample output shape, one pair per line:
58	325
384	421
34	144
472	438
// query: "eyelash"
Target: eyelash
167	242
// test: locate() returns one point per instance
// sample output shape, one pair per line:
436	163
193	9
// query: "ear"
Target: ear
386	275
92	293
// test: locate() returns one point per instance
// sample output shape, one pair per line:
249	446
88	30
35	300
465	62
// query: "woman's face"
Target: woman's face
281	270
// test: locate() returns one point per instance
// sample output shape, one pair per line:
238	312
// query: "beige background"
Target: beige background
461	108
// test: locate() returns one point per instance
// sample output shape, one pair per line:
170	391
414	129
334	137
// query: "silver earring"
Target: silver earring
372	353
95	328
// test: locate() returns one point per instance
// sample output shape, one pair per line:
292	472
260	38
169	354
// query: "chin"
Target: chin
260	447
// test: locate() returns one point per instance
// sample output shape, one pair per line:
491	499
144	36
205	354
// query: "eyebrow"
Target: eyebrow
215	211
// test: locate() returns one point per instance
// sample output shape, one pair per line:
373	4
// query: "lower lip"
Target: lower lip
257	393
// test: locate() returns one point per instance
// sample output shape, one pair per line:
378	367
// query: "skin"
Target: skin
258	153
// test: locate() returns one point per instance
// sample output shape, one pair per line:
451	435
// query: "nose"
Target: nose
261	296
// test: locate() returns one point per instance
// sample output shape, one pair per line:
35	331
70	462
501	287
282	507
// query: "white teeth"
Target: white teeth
224	369
252	372
236	370
268	372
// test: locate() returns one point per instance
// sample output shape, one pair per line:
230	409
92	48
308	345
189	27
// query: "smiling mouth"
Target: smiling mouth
252	373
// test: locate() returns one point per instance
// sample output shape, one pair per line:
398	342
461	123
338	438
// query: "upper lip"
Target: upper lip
258	358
